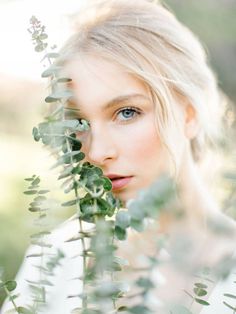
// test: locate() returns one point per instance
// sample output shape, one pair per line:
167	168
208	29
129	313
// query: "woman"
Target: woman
141	80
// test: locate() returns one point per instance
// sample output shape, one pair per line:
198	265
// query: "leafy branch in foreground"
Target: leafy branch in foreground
104	291
9	287
60	134
94	203
47	261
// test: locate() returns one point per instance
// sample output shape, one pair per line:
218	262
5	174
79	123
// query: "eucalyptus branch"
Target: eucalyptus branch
9	288
97	204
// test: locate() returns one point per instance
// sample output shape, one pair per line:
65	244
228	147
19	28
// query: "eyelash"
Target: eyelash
134	109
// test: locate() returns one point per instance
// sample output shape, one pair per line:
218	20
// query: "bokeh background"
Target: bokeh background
22	94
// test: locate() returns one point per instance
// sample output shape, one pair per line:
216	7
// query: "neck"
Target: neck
194	194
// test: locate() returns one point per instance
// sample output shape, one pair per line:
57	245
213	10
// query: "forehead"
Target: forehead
98	81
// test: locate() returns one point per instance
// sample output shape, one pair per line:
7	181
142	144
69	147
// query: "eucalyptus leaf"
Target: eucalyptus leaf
24	310
69	203
75	238
36	181
30	192
145	283
200	292
66	172
43	36
52	70
29	179
39	47
201	301
51	55
120	233
137	225
45	283
122	308
108	289
68	158
59	95
230	306
40	234
179	309
10	285
64	80
36	134
15	296
229	295
200	285
121	261
139	309
34	209
43	191
35	204
41	243
35	255
40	198
107	184
123	219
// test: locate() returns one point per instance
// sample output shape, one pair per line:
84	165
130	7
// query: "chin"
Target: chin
125	196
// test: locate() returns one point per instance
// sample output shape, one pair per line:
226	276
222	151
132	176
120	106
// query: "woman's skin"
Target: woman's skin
122	140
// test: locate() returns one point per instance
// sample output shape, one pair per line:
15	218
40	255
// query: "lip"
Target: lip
118	181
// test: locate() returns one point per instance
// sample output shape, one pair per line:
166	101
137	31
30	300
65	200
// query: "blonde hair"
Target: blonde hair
151	44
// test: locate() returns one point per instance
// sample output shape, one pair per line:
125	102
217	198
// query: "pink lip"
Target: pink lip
118	182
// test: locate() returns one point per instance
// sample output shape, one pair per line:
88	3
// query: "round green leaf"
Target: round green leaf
39	48
145	283
107	184
200	285
10	285
43	36
36	134
123	219
200	292
139	309
120	233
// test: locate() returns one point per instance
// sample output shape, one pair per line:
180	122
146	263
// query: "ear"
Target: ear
191	127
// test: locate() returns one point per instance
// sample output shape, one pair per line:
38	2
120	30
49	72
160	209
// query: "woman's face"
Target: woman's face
122	139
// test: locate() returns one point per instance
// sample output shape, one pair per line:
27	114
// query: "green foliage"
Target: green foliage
93	202
37	31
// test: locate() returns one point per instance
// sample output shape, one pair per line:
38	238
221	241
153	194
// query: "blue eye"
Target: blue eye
128	113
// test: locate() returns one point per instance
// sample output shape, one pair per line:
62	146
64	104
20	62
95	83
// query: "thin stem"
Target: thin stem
84	300
11	299
112	276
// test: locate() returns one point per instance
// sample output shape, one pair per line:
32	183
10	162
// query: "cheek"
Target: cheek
142	144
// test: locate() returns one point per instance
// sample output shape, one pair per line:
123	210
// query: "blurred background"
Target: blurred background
22	94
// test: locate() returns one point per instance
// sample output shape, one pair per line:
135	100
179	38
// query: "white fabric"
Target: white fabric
217	297
72	267
63	282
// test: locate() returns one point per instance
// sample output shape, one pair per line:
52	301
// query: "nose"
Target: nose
101	147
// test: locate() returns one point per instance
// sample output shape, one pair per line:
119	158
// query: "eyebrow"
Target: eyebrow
113	102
